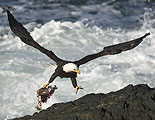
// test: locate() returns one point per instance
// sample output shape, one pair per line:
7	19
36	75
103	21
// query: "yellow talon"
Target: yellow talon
46	85
77	88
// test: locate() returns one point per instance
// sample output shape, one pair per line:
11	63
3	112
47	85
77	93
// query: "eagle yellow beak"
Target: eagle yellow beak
77	71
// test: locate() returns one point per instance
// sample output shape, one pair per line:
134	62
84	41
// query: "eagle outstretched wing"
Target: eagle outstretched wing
113	49
25	36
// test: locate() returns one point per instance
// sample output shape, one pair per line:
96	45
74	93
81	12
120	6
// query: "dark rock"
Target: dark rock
130	103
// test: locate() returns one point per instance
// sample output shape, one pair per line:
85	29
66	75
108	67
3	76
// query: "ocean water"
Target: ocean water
73	29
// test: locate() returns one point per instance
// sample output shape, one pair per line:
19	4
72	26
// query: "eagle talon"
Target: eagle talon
46	85
77	88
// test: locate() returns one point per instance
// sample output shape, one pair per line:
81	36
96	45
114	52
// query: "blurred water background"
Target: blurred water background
73	29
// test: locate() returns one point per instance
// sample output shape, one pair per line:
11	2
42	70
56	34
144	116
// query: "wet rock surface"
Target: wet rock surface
130	103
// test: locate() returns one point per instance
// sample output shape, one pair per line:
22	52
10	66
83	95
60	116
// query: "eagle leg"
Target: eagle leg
74	82
54	75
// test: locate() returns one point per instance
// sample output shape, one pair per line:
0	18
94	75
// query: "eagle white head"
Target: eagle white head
71	67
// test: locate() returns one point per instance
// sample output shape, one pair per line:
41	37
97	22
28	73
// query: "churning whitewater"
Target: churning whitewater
23	69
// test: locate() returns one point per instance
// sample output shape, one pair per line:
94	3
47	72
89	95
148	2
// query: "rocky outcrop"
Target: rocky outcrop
130	103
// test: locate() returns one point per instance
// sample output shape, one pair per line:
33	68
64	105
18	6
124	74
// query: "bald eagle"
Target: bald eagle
68	69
